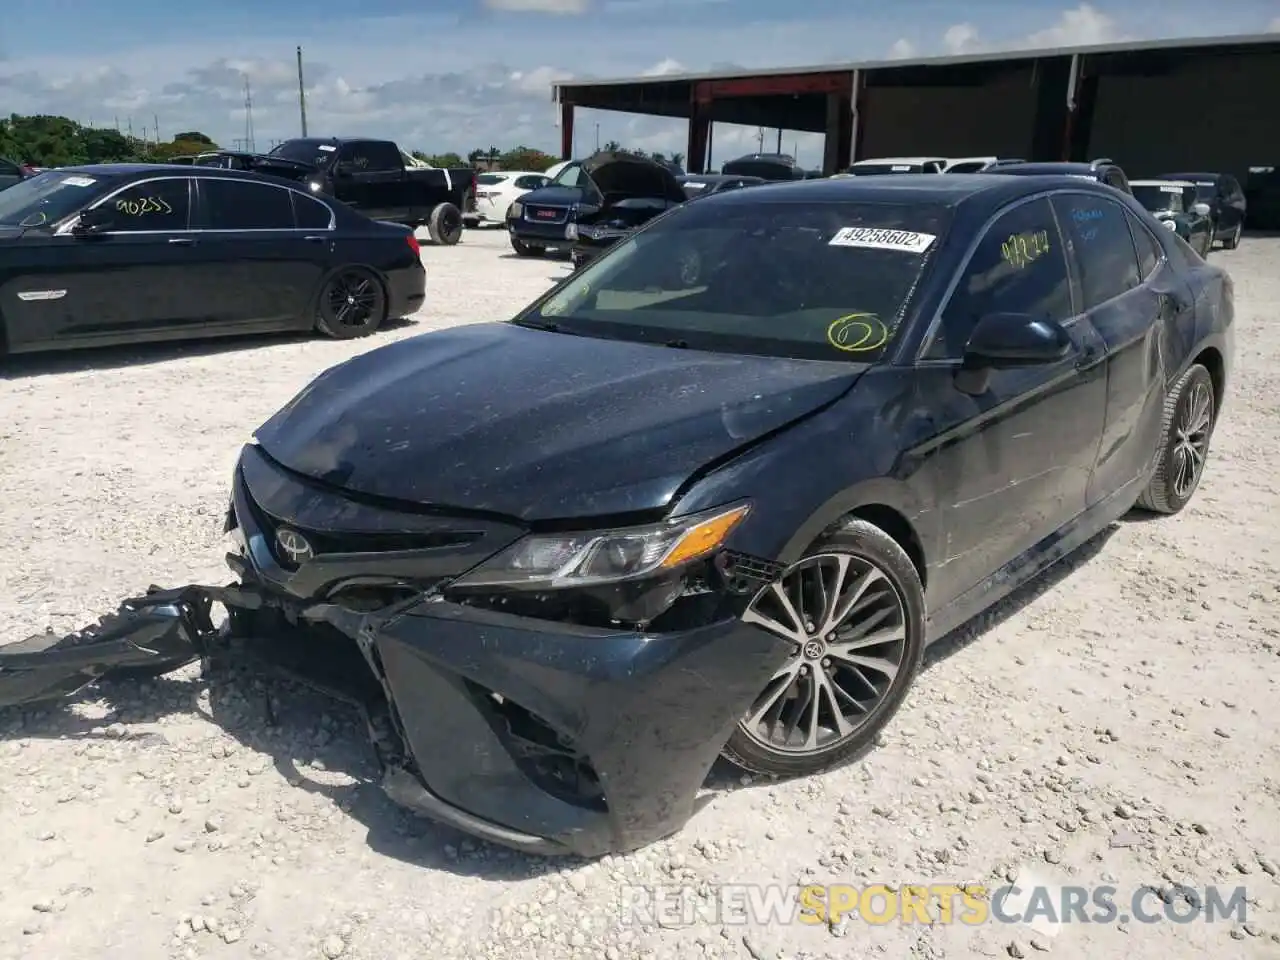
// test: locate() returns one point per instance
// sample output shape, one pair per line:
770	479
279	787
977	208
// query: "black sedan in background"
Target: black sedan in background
122	253
1228	208
728	483
1176	204
1099	171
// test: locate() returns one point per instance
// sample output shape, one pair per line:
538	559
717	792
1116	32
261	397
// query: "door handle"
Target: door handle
182	241
315	239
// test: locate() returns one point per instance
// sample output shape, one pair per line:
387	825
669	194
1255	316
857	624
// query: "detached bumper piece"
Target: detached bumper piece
154	634
541	736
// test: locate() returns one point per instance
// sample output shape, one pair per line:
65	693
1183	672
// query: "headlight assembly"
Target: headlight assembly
515	210
564	561
1170	225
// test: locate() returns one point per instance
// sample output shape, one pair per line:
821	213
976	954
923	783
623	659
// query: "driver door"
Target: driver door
1009	460
129	281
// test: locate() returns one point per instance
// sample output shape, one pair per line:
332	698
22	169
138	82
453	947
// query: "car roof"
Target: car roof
912	160
1161	182
921	188
179	169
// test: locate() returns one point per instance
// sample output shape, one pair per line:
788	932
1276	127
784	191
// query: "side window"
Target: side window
245	205
1231	187
152	205
371	156
8	169
530	182
1149	250
309	213
1019	266
1102	244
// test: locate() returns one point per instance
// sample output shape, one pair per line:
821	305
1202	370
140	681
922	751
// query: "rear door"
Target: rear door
374	173
260	262
1133	304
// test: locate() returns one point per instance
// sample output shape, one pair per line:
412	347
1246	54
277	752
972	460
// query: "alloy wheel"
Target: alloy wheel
847	623
354	300
1191	446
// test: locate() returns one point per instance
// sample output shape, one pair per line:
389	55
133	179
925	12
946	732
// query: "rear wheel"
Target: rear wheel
1189	417
352	304
853	610
445	224
523	249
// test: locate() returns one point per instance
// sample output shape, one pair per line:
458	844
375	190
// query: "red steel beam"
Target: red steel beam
774	86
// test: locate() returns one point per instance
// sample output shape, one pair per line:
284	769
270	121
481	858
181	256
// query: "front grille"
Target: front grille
545	214
324	542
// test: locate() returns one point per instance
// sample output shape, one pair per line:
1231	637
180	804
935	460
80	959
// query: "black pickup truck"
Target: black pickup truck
373	176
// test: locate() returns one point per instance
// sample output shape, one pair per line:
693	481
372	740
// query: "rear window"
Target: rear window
693	188
969	166
48	197
828	281
489	179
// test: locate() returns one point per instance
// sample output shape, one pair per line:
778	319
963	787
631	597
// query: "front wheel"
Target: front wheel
523	249
445	224
352	304
1233	241
853	610
1189	416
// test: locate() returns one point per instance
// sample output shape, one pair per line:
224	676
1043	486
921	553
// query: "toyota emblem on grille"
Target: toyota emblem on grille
294	545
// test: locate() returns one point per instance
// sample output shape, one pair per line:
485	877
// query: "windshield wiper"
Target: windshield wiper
546	325
677	344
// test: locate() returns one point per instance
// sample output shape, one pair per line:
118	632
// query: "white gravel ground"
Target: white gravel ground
1114	725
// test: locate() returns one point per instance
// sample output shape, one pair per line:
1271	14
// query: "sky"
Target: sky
453	75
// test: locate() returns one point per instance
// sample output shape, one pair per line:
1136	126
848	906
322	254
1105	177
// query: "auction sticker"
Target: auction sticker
878	239
80	181
1170	189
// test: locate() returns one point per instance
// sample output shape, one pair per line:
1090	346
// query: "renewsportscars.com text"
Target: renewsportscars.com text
938	903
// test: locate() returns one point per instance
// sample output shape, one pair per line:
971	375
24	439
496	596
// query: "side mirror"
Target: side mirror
1015	340
92	222
1201	208
344	168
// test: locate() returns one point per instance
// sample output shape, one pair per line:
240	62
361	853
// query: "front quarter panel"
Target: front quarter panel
808	477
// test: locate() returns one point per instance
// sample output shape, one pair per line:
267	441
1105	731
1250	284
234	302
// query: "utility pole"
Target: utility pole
759	139
248	115
779	150
302	94
156	119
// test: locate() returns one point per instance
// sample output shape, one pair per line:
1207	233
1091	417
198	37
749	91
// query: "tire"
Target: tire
1233	241
352	303
1190	404
523	249
445	224
892	602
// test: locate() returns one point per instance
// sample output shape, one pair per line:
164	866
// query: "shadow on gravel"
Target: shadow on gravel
310	738
22	366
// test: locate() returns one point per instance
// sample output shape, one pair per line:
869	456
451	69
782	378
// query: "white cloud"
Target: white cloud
961	38
902	49
560	7
665	68
1274	26
1078	27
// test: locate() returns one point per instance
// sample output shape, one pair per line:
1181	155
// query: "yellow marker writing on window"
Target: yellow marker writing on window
1022	249
857	333
143	206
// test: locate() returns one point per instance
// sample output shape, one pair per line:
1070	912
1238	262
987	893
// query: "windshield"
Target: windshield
875	169
968	166
312	152
1206	190
570	176
47	197
1159	199
823	281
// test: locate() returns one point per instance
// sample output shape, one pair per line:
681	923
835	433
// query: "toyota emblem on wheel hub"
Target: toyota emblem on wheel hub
814	649
294	545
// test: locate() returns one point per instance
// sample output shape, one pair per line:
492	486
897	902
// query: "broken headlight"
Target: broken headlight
569	560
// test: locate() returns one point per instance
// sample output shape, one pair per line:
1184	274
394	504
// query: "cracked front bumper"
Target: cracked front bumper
538	735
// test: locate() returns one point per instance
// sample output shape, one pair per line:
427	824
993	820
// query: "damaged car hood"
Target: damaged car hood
537	425
622	175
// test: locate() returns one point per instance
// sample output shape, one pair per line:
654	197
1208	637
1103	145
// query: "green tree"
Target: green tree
526	158
195	136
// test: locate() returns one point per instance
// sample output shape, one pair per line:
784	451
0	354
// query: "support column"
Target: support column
837	145
1082	127
1055	110
566	131
695	160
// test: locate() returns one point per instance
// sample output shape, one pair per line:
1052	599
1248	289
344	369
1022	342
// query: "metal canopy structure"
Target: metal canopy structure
1050	94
